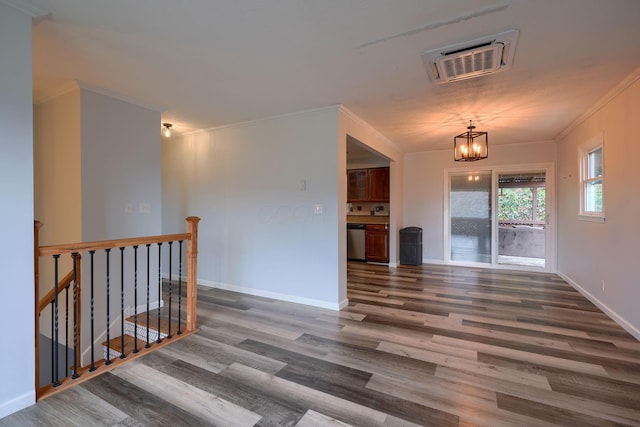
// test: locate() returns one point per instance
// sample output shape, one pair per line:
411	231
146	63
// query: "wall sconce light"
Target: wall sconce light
470	145
167	130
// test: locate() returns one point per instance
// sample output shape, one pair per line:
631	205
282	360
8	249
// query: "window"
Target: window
592	180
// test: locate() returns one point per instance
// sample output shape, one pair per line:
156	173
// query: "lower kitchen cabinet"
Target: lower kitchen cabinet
377	243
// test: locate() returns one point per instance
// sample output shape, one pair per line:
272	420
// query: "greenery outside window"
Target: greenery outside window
592	180
523	204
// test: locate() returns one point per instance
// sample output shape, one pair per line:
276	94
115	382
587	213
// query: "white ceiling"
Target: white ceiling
215	62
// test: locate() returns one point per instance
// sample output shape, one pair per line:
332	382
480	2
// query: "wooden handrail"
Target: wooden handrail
62	285
110	244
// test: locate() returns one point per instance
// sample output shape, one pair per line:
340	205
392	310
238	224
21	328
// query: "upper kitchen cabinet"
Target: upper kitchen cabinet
357	185
378	185
368	185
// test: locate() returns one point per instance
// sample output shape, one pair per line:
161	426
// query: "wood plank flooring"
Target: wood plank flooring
428	345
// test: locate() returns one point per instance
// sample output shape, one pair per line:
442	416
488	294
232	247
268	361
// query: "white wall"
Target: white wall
589	252
424	184
96	154
57	168
16	217
121	164
259	233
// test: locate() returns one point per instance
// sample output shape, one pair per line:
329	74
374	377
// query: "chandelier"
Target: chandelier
470	145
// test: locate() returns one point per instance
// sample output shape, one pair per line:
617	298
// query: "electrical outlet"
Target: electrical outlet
144	208
602	285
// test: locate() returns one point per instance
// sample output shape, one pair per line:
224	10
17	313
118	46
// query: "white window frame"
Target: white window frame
584	151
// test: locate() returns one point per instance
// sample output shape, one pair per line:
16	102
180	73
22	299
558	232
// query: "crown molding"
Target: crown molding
353	116
124	98
77	84
263	119
26	8
617	90
56	92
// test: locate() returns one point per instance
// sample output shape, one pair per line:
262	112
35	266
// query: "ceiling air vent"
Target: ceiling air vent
475	58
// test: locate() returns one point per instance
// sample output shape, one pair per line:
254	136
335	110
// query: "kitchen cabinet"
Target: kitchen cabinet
357	185
368	185
378	180
377	242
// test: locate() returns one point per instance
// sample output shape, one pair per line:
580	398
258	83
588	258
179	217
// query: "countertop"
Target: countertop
364	219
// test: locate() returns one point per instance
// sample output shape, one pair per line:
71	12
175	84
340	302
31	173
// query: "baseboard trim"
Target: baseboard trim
274	295
17	403
602	306
267	294
433	261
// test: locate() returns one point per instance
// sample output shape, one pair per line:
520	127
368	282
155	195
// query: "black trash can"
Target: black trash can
411	246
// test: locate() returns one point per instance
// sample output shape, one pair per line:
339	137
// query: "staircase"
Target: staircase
117	274
115	347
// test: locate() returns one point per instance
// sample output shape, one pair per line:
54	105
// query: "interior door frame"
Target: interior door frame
496	170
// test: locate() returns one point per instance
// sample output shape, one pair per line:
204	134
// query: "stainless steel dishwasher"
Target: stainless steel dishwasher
356	242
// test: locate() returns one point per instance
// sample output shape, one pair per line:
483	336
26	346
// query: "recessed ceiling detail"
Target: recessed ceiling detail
475	58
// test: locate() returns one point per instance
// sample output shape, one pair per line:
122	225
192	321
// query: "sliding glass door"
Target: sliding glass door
500	217
470	217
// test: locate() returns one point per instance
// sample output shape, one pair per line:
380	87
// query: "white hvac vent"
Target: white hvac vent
476	58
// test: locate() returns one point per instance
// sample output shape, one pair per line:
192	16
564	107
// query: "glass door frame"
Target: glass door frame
496	171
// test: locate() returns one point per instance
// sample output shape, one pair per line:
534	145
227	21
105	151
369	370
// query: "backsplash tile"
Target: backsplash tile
368	209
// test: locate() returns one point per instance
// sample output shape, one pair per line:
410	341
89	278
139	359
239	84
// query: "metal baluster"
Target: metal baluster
170	279
180	289
52	343
93	365
75	375
108	358
148	292
56	359
122	355
135	299
66	334
159	340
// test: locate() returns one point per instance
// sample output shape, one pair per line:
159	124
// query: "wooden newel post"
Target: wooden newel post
192	272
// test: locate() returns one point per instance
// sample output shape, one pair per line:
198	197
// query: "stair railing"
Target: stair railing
72	282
